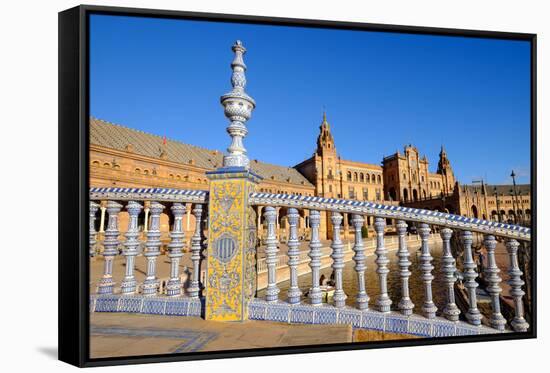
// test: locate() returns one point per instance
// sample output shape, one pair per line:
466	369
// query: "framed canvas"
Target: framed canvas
382	194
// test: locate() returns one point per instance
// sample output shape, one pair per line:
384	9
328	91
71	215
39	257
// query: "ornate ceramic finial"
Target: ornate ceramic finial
238	108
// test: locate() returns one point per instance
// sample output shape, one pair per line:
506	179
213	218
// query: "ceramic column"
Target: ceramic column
177	237
473	315
337	260
196	247
362	299
92	242
294	292
493	283
518	323
450	311
428	307
383	301
272	291
110	244
315	296
405	304
151	284
129	284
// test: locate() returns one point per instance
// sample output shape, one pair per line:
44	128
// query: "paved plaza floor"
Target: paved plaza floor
122	334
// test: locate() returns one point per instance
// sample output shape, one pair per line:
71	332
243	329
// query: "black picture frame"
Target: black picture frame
74	185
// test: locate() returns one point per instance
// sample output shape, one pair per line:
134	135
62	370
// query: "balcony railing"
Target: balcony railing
172	201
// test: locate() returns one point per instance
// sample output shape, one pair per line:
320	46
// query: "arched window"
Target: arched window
379	179
368	178
137	170
404	176
146	172
355	176
106	164
361	177
474	211
373	178
178	177
95	163
349	176
171	176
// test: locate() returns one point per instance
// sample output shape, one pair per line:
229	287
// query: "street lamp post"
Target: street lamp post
515	197
513	205
495	193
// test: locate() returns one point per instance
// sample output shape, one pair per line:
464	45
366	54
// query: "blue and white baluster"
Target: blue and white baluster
194	284
337	260
428	307
519	324
294	292
362	298
175	247
129	283
272	291
405	304
473	315
93	212
450	311
110	250
493	283
315	295
383	301
151	284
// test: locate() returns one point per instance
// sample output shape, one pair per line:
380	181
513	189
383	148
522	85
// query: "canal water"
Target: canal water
394	283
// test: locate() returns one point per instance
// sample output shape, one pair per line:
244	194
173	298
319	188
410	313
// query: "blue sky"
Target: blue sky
380	90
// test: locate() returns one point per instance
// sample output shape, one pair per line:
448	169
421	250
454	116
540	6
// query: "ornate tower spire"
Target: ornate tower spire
325	140
444	168
238	108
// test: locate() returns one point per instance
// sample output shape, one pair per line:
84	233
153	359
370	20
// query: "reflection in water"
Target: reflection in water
394	284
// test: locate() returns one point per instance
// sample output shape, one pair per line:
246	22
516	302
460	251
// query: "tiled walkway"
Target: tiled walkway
122	334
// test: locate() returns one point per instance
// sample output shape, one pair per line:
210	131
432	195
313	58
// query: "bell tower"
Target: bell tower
325	141
444	168
326	162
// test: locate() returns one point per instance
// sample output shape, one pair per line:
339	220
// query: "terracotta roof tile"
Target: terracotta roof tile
118	137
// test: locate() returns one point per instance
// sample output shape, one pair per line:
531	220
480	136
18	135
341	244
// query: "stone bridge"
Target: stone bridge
224	246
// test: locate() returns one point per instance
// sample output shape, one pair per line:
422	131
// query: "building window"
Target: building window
349	176
404	176
379	179
368	178
351	192
365	194
362	177
378	195
330	188
355	176
330	176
